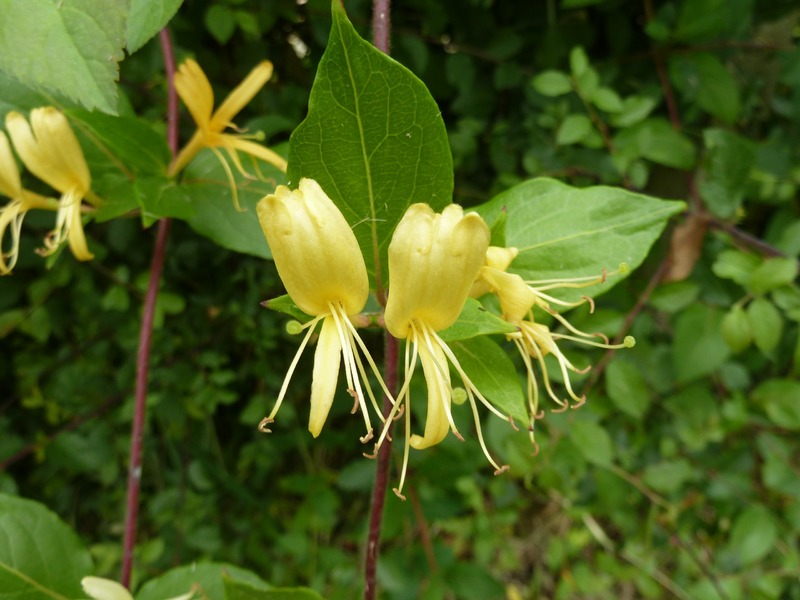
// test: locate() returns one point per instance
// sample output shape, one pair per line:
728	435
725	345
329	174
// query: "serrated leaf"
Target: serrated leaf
627	388
493	373
238	590
473	321
209	577
147	18
552	83
766	323
40	557
573	129
374	139
69	48
564	232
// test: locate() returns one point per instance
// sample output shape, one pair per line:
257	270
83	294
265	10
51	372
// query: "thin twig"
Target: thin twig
381	25
145	335
424	532
390	377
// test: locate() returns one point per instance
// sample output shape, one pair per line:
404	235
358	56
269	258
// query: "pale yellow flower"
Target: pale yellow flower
433	262
49	149
105	589
323	270
195	90
534	340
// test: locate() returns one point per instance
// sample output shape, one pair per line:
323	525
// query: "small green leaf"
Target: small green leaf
780	399
736	329
726	168
703	77
627	388
593	442
607	99
766	322
211	578
40	557
147	18
491	370
753	534
220	22
634	109
284	304
771	274
578	61
699	348
374	139
552	83
668	476
573	129
239	590
473	321
735	265
656	140
70	49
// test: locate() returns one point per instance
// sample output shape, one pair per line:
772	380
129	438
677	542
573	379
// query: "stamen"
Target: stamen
444	392
229	174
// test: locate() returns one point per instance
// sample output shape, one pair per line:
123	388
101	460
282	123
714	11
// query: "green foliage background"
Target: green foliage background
679	478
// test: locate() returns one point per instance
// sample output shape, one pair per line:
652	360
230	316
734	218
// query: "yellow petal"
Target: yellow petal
105	589
10	184
314	249
194	89
326	374
500	258
75	235
241	95
516	297
257	150
433	261
437	377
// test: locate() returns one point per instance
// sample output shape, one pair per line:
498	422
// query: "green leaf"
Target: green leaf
704	78
220	22
564	232
726	168
210	577
766	322
573	129
736	329
627	388
593	442
656	140
147	18
735	265
40	557
473	321
753	534
66	48
284	304
772	274
494	374
206	189
239	590
578	61
552	83
374	139
780	398
668	476
699	347
607	99
634	109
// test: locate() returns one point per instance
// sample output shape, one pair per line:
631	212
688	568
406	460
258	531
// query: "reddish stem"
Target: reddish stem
390	377
145	335
381	24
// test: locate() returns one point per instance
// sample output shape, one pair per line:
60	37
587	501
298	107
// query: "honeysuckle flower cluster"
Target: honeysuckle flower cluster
436	261
195	90
49	149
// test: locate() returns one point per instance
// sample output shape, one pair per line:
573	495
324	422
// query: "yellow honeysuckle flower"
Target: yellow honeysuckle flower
195	90
534	340
21	201
321	266
50	150
99	588
433	262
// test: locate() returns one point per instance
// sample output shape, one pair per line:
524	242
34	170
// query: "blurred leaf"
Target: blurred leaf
593	442
781	401
705	20
71	50
40	557
573	129
706	80
491	370
627	388
607	99
564	232
735	265
284	304
210	577
147	18
771	274
699	348
753	534
634	109
473	321
578	61
220	22
726	168
736	329
552	83
656	140
668	476
239	590
766	323
374	139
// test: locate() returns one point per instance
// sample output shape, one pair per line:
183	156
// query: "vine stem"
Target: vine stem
146	333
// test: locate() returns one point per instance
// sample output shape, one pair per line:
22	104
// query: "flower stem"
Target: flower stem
145	336
390	377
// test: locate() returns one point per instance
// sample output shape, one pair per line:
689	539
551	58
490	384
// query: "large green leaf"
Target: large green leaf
374	139
40	557
210	578
473	321
69	48
146	18
563	232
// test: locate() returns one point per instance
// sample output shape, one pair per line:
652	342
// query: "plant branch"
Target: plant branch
381	24
390	377
145	335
